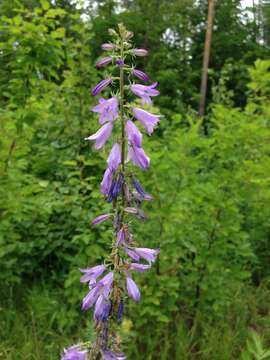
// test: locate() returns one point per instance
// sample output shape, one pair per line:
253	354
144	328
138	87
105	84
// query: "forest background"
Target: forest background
208	295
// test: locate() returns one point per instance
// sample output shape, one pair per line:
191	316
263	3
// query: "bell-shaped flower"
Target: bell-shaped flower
132	288
133	134
147	119
102	309
145	92
114	158
74	353
132	254
121	236
103	287
108	109
91	274
149	255
106	182
138	157
102	135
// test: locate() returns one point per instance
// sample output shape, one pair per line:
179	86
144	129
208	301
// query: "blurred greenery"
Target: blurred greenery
208	295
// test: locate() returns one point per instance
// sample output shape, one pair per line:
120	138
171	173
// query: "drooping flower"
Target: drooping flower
108	109
102	135
91	274
114	158
90	299
103	62
116	188
133	134
106	181
120	237
74	353
132	254
140	75
138	157
136	211
120	312
138	187
110	355
99	219
107	47
100	86
149	255
147	119
106	283
103	287
140	52
102	309
132	288
139	267
145	92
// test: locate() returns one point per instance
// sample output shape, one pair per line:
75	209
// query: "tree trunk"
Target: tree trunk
206	55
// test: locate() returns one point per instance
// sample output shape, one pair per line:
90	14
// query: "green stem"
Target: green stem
122	113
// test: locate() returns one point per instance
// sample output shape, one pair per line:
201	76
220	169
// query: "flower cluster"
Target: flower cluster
109	283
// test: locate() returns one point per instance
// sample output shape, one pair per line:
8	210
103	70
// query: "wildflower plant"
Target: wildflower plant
112	282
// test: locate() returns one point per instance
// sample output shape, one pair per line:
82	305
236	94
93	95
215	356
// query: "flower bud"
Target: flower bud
103	62
139	52
107	47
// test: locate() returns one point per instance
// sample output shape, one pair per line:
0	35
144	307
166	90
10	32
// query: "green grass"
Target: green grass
36	324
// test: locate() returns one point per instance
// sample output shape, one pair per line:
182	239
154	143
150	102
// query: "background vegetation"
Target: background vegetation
208	296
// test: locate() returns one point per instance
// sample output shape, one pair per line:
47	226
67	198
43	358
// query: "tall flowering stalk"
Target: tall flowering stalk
110	283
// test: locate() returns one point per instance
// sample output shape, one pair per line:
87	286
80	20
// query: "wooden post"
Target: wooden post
206	55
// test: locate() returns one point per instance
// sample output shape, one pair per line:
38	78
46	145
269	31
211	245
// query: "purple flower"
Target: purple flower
120	62
107	47
132	254
140	75
100	219
116	188
102	309
103	287
120	312
149	255
120	237
131	210
139	267
106	181
140	52
100	86
147	119
102	135
108	109
138	156
74	353
144	92
138	187
103	62
110	355
132	289
91	274
90	298
114	158
106	282
133	134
